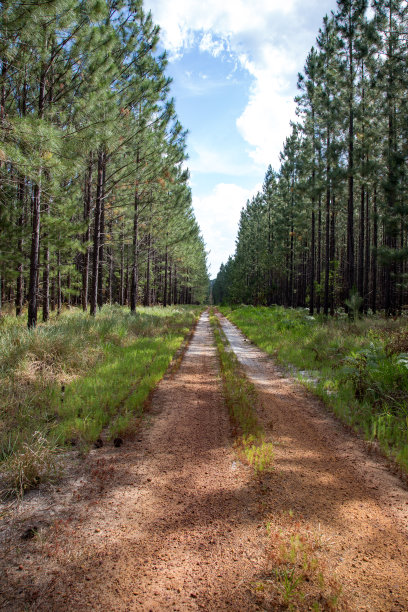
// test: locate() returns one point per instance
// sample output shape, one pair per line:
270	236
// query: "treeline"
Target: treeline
94	201
329	229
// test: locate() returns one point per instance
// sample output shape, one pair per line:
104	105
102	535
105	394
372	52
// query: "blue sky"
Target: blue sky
234	65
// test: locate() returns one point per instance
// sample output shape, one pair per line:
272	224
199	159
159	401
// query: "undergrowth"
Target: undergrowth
241	398
297	577
358	367
76	376
35	462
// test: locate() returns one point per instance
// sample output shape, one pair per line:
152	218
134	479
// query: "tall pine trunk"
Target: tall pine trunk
122	267
135	254
170	300
87	234
20	247
101	237
350	202
147	288
46	275
367	252
327	249
166	266
375	246
34	257
332	253
21	220
109	251
59	288
319	253
96	238
361	239
35	235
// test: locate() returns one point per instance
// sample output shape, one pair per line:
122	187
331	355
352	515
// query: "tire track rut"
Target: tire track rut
176	525
326	476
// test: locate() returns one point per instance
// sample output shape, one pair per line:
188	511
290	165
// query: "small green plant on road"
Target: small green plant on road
297	578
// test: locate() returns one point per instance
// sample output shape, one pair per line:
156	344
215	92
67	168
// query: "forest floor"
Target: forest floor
172	520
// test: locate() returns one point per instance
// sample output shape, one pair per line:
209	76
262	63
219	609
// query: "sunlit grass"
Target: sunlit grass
76	376
359	368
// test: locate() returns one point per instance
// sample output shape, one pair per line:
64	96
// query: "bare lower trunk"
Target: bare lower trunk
147	290
375	245
327	249
46	285
312	265
34	258
360	269
20	246
96	240
59	292
46	276
122	269
166	265
87	235
101	238
135	255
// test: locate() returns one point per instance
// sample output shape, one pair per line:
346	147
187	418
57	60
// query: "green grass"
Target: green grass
359	368
298	578
241	398
76	376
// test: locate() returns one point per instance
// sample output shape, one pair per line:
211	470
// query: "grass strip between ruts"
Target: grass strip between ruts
241	398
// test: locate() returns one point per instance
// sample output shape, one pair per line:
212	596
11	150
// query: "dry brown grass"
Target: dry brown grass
36	462
398	342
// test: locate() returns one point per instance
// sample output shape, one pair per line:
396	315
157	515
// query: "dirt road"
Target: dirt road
169	522
172	521
327	477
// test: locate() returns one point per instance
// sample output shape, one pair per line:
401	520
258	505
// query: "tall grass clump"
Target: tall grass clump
241	399
35	462
76	375
359	367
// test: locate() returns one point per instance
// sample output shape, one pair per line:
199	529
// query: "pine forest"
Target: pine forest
329	229
95	203
177	433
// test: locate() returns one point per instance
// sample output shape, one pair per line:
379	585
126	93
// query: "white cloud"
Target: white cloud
269	38
218	214
206	160
234	26
213	46
264	124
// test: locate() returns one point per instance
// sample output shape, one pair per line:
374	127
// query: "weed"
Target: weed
289	581
297	578
258	453
37	462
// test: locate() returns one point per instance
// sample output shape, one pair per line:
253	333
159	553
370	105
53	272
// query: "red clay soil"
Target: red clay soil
173	521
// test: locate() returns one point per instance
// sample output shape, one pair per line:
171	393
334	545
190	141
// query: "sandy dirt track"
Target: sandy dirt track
172	521
175	523
328	478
